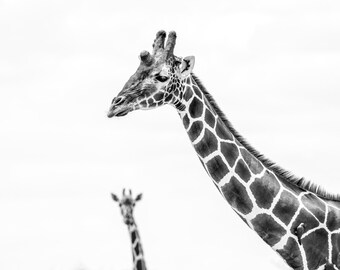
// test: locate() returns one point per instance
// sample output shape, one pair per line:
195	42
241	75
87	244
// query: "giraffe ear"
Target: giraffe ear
187	66
114	197
139	197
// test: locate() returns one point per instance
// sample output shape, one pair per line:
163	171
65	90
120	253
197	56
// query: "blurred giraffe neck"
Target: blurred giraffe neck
136	247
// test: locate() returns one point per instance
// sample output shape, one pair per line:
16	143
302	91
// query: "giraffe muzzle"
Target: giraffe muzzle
118	107
128	220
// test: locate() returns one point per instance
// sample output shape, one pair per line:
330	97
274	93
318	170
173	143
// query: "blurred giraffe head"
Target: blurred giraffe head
127	204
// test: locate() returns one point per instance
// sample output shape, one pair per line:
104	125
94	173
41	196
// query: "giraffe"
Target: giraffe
127	204
296	218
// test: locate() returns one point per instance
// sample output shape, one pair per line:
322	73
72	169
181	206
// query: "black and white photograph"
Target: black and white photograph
153	135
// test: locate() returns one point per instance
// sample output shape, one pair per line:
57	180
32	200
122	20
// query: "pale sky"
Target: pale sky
272	66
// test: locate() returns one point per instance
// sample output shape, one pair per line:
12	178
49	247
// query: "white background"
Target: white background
273	67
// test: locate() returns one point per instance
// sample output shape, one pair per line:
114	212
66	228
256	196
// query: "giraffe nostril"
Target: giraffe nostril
118	100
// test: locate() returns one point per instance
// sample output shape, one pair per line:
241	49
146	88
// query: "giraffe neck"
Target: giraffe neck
285	216
224	158
136	247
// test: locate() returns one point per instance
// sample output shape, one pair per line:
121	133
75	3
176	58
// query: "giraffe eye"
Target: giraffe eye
161	78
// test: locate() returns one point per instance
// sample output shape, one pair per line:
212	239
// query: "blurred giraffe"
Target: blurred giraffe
127	204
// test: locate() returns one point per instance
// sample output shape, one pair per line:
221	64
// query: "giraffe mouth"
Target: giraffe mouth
118	111
128	220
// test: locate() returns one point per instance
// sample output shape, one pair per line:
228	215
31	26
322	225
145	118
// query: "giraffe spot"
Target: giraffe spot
230	152
316	248
222	131
242	170
268	229
196	108
329	266
150	101
159	96
333	219
181	92
140	265
216	168
188	93
195	130
197	91
314	205
307	219
137	249
291	254
168	98
286	207
237	196
133	236
207	145
254	165
186	121
265	189
188	80
209	118
143	103
335	238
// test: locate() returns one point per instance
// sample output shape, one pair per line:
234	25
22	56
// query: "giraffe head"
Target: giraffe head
157	81
127	204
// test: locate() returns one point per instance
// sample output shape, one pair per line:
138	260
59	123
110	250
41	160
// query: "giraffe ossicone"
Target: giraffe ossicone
126	205
298	219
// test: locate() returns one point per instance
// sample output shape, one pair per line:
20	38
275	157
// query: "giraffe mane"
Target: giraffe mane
279	171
